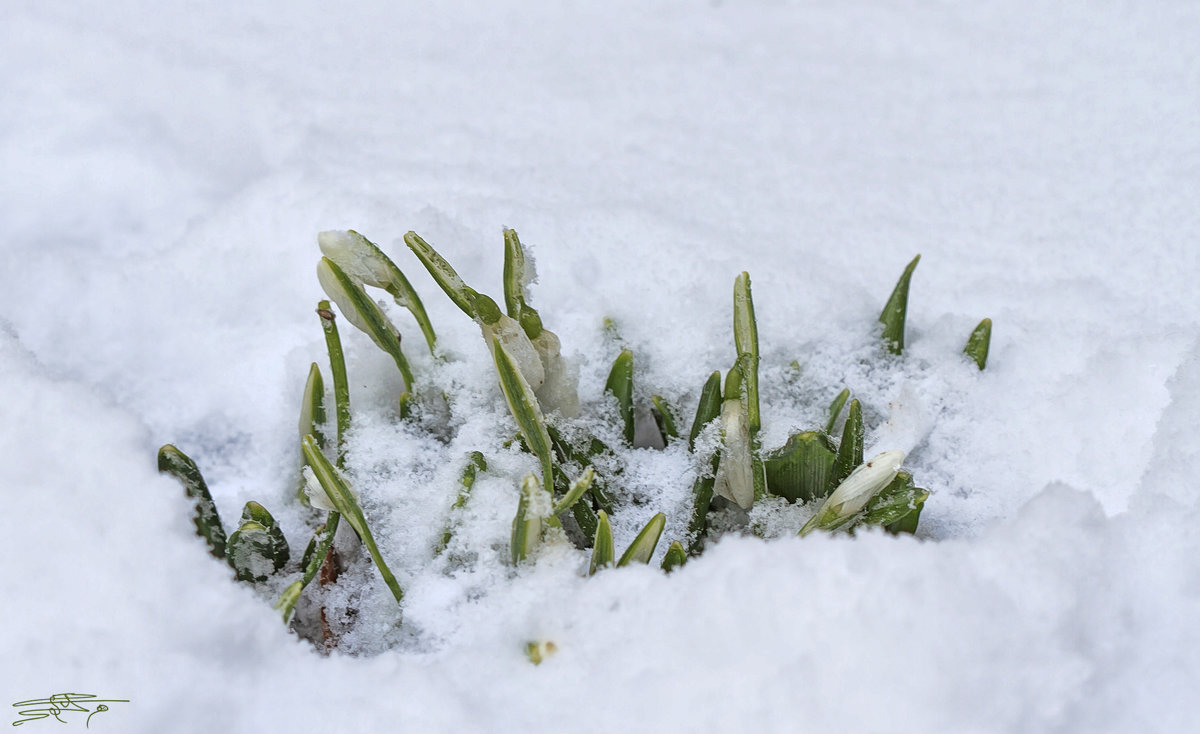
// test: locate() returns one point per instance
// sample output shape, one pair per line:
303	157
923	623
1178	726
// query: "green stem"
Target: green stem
341	385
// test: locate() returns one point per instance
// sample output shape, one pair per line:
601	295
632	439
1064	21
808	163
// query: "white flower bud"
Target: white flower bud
360	259
856	491
316	493
512	337
735	475
558	392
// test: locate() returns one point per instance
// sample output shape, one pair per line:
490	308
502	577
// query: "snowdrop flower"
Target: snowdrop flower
735	476
359	258
316	493
558	391
504	330
856	491
339	292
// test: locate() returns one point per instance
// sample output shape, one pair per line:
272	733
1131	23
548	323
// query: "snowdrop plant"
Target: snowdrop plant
567	500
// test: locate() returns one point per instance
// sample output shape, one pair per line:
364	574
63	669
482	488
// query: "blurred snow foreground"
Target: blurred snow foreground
161	186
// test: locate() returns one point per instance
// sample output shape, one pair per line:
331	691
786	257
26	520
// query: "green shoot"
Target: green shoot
257	548
577	490
475	463
850	450
360	310
896	309
517	275
709	408
675	557
343	499
362	260
527	523
337	365
800	470
567	454
835	409
524	408
664	418
312	416
894	504
442	273
642	547
978	343
745	334
602	545
208	523
312	407
707	411
620	385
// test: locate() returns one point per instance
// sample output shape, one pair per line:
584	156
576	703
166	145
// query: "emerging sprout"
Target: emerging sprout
896	309
208	523
978	343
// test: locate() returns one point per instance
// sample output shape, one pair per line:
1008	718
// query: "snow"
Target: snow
165	172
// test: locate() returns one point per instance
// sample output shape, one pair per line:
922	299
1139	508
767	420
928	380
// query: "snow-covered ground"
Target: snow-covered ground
164	170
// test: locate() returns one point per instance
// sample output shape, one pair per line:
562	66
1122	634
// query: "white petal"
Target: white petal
512	337
736	464
864	483
559	391
316	493
361	260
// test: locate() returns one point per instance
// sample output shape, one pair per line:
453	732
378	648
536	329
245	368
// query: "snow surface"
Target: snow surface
164	171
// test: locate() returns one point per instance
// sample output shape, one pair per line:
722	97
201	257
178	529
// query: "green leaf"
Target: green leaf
620	385
362	260
312	416
745	333
527	523
577	490
257	549
702	494
835	409
475	463
442	273
978	343
850	450
908	523
524	408
642	547
709	408
567	454
586	518
517	276
800	470
895	310
602	545
360	310
347	505
675	557
312	407
664	418
208	523
341	385
894	504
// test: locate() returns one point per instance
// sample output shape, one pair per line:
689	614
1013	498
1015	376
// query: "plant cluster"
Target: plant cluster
566	497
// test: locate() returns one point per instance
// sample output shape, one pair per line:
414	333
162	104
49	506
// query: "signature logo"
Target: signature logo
62	703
